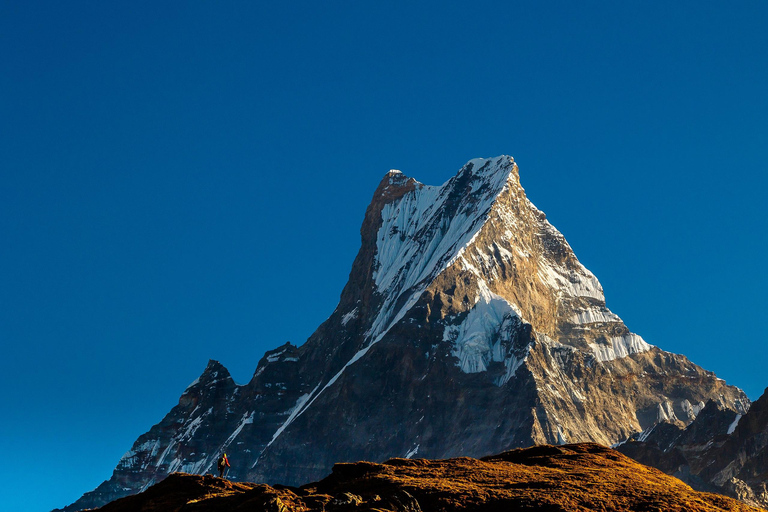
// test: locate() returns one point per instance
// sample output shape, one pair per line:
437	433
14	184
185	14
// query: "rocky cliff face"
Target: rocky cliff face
721	451
467	327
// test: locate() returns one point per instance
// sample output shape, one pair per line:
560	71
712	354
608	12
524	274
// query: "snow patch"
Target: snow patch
276	356
732	426
191	428
561	439
171	444
570	282
645	433
619	346
485	335
412	452
478	339
146	486
576	396
349	316
247	419
295	412
594	315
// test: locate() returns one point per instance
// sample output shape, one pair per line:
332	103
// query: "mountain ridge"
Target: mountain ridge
720	451
468	326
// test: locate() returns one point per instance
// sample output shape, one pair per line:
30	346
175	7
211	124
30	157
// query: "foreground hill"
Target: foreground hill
577	477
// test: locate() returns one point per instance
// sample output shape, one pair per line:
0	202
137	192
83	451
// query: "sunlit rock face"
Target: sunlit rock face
468	327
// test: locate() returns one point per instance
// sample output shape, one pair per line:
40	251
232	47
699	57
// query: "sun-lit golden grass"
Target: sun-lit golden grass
584	477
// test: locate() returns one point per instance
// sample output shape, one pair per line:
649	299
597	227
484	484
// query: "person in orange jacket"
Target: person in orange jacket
223	465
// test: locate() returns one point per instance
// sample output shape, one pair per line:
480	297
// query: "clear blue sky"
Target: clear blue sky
186	180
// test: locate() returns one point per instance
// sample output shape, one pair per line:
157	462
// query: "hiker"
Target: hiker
223	464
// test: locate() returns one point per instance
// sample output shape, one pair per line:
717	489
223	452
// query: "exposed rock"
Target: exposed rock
346	499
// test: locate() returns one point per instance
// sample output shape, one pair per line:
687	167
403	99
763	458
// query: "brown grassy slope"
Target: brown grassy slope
581	477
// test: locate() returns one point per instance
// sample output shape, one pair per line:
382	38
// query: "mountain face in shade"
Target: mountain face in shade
721	451
468	327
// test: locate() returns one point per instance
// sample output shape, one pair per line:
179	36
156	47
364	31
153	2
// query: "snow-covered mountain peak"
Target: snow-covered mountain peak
467	326
424	228
480	226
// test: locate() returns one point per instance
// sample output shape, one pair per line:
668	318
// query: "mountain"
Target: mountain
721	451
468	326
550	478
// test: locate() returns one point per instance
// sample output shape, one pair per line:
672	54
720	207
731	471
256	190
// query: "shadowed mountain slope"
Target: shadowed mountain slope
721	451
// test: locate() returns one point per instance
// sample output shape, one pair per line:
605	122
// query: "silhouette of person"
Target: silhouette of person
223	465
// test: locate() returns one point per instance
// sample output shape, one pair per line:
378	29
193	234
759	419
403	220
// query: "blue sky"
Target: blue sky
186	180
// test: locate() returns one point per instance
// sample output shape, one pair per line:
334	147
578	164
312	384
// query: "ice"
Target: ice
645	433
295	412
349	316
276	356
594	315
561	439
485	334
247	419
191	428
171	444
580	283
732	426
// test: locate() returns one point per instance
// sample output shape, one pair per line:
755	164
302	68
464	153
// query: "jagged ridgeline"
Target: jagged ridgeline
468	327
